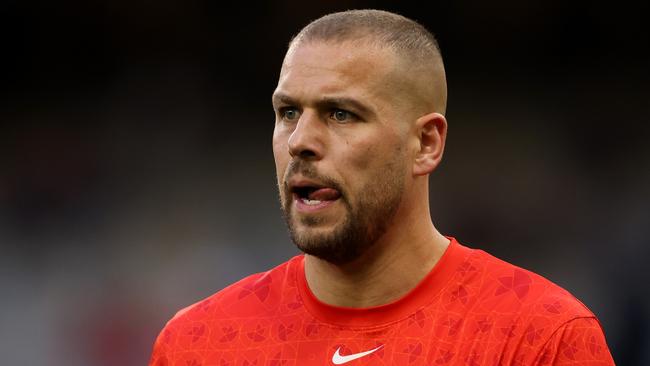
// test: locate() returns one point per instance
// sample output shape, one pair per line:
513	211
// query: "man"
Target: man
360	125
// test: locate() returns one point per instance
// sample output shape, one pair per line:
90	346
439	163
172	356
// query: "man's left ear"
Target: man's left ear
431	130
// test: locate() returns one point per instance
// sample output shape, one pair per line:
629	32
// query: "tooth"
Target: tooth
310	202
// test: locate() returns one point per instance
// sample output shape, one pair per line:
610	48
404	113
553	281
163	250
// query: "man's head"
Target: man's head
359	126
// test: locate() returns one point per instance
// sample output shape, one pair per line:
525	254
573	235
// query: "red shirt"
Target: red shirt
471	309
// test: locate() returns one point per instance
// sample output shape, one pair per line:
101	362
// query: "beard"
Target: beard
365	221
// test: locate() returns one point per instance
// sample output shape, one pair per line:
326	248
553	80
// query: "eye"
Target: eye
289	113
341	116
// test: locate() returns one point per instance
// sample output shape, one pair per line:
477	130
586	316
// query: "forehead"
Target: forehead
315	69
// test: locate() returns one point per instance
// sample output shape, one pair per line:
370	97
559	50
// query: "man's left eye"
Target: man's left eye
340	115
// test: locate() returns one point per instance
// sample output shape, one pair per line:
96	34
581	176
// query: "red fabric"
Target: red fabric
471	309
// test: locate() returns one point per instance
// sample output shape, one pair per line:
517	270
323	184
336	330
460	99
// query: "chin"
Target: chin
334	245
312	239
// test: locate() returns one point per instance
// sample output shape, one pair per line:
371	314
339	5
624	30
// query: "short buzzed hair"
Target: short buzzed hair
410	42
384	28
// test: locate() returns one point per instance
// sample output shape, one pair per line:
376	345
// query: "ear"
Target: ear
431	129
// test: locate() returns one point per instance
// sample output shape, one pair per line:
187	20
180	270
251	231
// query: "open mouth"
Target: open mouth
312	195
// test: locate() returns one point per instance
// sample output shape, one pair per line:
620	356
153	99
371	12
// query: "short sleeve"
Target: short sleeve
161	348
580	341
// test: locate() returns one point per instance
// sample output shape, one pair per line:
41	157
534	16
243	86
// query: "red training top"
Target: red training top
471	309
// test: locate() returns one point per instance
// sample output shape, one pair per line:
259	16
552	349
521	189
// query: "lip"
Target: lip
298	181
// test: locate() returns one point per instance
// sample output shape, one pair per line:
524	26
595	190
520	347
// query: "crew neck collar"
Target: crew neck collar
422	294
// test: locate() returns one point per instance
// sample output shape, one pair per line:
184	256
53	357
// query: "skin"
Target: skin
392	136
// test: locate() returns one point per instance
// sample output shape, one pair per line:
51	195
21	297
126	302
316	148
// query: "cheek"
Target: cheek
279	142
280	155
370	156
377	167
365	159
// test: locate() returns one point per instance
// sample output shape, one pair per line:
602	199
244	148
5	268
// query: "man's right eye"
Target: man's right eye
289	113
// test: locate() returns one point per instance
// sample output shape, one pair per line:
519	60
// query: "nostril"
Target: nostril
307	153
302	153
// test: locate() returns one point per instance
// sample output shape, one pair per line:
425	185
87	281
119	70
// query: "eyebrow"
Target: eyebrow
327	103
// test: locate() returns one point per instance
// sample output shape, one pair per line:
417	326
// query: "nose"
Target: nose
306	140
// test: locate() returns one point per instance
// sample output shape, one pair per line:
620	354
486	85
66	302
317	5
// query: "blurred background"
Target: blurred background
136	173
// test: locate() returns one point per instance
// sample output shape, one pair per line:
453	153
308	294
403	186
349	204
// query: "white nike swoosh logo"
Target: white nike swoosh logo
337	359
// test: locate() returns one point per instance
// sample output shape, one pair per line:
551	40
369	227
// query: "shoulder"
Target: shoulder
218	319
509	289
530	314
252	296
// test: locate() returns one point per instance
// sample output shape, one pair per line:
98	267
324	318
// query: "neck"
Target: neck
391	268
